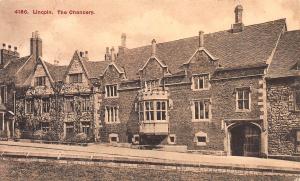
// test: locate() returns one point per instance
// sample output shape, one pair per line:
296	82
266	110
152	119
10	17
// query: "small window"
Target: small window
111	90
111	114
69	103
172	139
200	82
3	94
40	81
243	99
201	110
29	106
85	126
136	139
201	139
46	105
45	126
113	138
76	78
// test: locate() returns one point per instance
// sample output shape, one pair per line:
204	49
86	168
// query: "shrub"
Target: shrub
51	136
3	134
39	135
81	138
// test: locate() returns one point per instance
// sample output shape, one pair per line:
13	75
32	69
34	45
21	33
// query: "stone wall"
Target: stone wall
281	120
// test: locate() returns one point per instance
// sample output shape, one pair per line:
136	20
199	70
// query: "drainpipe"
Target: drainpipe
14	120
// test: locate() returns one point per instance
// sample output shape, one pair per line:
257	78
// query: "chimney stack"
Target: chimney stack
4	45
238	26
112	54
107	55
86	54
153	53
81	54
9	47
36	45
123	40
201	39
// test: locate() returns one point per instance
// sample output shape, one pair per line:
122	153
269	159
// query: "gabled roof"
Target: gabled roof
251	46
56	71
286	57
95	68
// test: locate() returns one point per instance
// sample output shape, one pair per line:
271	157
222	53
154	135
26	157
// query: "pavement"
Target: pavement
163	156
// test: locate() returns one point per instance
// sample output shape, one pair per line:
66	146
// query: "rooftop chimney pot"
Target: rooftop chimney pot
9	47
238	14
201	39
15	48
153	47
4	45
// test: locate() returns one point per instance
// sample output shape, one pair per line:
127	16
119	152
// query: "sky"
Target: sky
141	20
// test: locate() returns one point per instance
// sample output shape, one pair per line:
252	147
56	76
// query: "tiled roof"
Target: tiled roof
287	56
56	71
253	45
9	72
95	68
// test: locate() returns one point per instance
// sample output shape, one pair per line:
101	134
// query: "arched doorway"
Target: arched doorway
245	140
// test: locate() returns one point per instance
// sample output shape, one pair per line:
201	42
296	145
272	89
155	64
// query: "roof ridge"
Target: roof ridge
281	19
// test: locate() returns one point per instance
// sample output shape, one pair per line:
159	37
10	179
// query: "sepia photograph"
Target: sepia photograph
150	90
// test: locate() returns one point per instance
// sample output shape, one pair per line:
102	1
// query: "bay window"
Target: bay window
153	110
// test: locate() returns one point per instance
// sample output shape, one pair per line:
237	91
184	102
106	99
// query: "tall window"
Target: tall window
85	127
69	103
111	114
201	110
40	81
46	105
243	99
298	141
29	106
3	94
85	103
200	82
69	129
75	78
111	90
153	110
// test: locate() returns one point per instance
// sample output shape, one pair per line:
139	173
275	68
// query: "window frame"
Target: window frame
85	127
47	105
29	109
196	86
197	103
40	81
43	127
3	90
111	114
170	142
201	135
237	99
78	78
146	111
111	93
85	103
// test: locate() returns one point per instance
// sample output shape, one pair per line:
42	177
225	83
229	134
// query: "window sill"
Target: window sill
242	110
201	144
114	97
118	122
154	121
206	89
200	120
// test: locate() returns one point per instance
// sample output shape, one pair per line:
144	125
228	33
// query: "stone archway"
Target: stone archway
245	139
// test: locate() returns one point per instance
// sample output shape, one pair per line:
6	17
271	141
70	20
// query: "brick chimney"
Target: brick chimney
153	52
36	45
112	54
238	26
6	55
122	47
201	39
107	54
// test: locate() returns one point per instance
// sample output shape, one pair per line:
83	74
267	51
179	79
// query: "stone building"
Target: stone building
283	97
207	92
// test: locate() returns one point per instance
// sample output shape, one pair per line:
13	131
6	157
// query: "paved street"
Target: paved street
113	152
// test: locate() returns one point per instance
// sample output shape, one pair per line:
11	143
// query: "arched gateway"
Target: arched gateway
245	139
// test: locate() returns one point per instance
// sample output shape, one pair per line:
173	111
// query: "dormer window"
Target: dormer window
40	81
200	82
76	78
